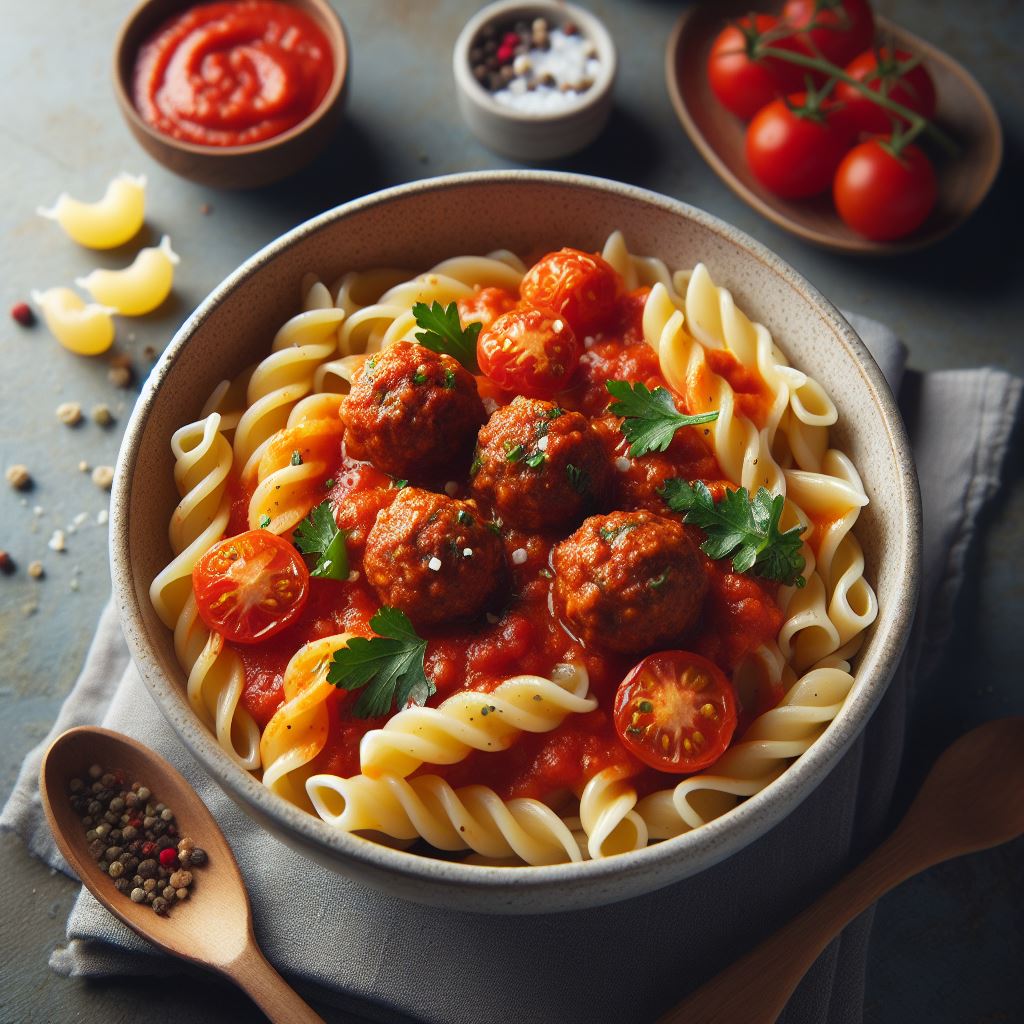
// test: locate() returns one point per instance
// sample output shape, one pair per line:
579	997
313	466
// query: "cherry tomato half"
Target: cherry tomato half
533	352
676	712
251	586
842	28
581	286
743	81
886	72
883	196
794	152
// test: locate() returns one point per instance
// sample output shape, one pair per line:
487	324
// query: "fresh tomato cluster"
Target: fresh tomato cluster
817	94
534	349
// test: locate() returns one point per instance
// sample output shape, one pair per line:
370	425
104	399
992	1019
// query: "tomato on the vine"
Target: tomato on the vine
892	73
251	586
841	28
795	145
582	286
531	351
743	80
882	194
676	711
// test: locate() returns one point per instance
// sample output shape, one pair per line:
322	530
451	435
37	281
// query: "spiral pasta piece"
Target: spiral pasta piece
475	721
607	816
216	678
298	730
769	745
284	377
427	807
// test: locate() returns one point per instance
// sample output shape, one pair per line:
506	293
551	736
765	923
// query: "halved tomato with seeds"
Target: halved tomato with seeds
251	586
676	712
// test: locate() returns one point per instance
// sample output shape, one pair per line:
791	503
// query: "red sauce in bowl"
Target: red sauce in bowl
232	73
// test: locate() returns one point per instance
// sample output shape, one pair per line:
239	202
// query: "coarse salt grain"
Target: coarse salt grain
519	556
542	443
57	541
622	464
102	516
353	576
80	519
490	405
588	341
467	552
434	564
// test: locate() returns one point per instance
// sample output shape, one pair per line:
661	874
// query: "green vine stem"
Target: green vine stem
918	123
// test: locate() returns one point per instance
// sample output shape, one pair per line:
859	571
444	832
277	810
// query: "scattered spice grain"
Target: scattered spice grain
35	570
19	477
69	413
21	312
103	477
102	415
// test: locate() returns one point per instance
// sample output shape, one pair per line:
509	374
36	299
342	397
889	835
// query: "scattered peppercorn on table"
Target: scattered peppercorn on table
956	304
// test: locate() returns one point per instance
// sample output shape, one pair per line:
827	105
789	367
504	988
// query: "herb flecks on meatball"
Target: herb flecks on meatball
434	557
412	412
629	582
540	466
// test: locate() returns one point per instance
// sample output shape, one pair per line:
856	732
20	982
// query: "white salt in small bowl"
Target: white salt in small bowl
536	134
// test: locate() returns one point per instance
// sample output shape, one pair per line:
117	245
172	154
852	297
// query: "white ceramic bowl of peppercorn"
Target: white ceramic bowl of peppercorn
528	212
534	80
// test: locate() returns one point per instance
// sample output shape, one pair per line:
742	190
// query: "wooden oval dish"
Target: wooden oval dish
963	111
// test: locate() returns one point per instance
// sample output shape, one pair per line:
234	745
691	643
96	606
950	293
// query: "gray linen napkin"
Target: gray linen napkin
386	960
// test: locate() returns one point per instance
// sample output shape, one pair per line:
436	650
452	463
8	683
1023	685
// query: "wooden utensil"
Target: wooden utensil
972	799
213	928
963	111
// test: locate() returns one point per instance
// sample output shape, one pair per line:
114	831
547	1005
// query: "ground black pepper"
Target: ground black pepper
135	840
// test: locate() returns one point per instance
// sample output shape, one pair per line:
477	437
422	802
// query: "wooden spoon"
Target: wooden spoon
972	799
213	928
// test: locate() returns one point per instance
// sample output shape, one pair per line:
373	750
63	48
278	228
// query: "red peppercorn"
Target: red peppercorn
22	312
135	823
148	849
511	40
505	53
169	857
171	831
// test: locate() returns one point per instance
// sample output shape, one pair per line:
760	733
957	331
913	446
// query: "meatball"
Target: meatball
435	558
412	412
540	466
629	582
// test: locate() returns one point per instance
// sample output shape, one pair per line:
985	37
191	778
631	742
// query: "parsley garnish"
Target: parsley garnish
296	457
657	581
264	522
513	452
318	534
399	484
553	413
443	332
464	518
747	529
495	526
651	418
328	483
609	533
389	665
449	378
579	479
536	460
419	377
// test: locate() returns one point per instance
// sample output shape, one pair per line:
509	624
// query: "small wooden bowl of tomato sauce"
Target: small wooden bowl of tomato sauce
232	93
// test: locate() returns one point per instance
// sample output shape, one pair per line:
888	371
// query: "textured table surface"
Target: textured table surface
948	946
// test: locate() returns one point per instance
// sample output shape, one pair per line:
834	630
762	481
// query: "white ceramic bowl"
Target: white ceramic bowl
529	212
535	136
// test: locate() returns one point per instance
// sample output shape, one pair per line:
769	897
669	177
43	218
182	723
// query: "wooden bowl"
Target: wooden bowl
232	166
963	111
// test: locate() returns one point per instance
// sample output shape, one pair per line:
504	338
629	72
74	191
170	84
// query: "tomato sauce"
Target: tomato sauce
232	73
739	614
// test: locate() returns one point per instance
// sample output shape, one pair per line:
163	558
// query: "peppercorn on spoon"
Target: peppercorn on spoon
972	799
213	927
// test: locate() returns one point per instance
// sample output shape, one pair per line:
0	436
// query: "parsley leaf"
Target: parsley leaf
264	522
318	534
296	457
443	332
536	460
579	479
744	527
514	452
650	417
389	666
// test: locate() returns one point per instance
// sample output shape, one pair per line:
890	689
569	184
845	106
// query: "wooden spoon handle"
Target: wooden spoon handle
268	990
755	988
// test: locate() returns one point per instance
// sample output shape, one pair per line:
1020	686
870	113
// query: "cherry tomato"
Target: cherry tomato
743	81
843	28
579	285
251	586
883	196
485	305
533	352
676	711
793	151
884	72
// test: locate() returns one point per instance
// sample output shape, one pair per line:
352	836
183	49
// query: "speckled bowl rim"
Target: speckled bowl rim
615	877
592	27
